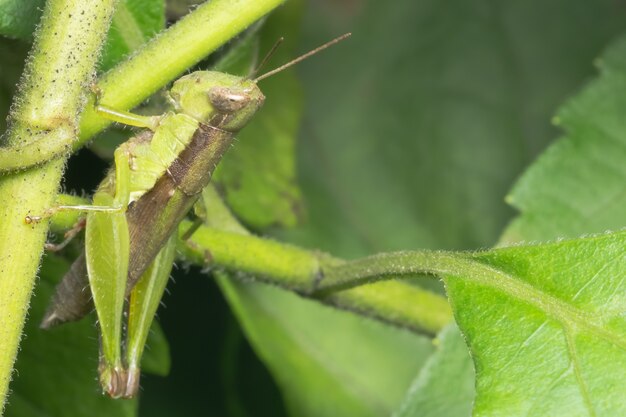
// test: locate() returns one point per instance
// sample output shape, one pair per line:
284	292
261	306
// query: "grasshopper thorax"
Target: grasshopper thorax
204	95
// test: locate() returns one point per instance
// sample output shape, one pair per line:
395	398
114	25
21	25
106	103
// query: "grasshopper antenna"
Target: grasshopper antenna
266	58
301	57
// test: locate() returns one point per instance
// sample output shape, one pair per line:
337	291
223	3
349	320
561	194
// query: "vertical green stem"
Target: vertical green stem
50	98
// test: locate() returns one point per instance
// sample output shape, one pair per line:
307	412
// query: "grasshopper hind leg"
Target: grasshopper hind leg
113	381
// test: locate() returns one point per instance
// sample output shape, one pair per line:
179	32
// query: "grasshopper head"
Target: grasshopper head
209	95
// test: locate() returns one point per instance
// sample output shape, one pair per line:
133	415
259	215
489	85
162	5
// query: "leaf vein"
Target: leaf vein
575	361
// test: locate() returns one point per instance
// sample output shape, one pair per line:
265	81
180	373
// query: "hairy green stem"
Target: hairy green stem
157	63
302	271
228	245
383	265
168	55
50	98
224	243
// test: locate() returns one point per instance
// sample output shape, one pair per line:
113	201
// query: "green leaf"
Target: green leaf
317	352
56	371
445	385
134	22
418	124
302	342
19	17
258	175
546	328
408	143
326	362
578	185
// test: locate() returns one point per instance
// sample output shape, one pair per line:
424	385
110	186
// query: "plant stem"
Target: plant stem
383	265
159	62
302	271
46	109
171	53
224	243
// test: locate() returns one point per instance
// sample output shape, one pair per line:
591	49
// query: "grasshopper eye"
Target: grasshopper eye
226	100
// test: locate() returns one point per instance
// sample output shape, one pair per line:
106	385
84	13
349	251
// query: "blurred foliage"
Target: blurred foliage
13	54
57	369
413	131
258	176
448	370
577	185
416	128
18	18
134	22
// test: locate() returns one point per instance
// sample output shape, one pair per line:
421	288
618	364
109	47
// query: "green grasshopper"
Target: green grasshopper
158	176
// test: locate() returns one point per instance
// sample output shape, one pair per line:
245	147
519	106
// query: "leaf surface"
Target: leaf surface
417	126
156	356
579	184
575	187
134	23
546	328
326	362
445	385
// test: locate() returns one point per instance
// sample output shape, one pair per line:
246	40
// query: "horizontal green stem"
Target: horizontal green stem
156	64
171	53
397	302
383	265
282	264
305	272
312	274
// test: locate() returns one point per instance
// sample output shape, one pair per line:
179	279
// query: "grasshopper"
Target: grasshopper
158	176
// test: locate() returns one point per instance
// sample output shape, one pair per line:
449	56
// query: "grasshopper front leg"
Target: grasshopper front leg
118	186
